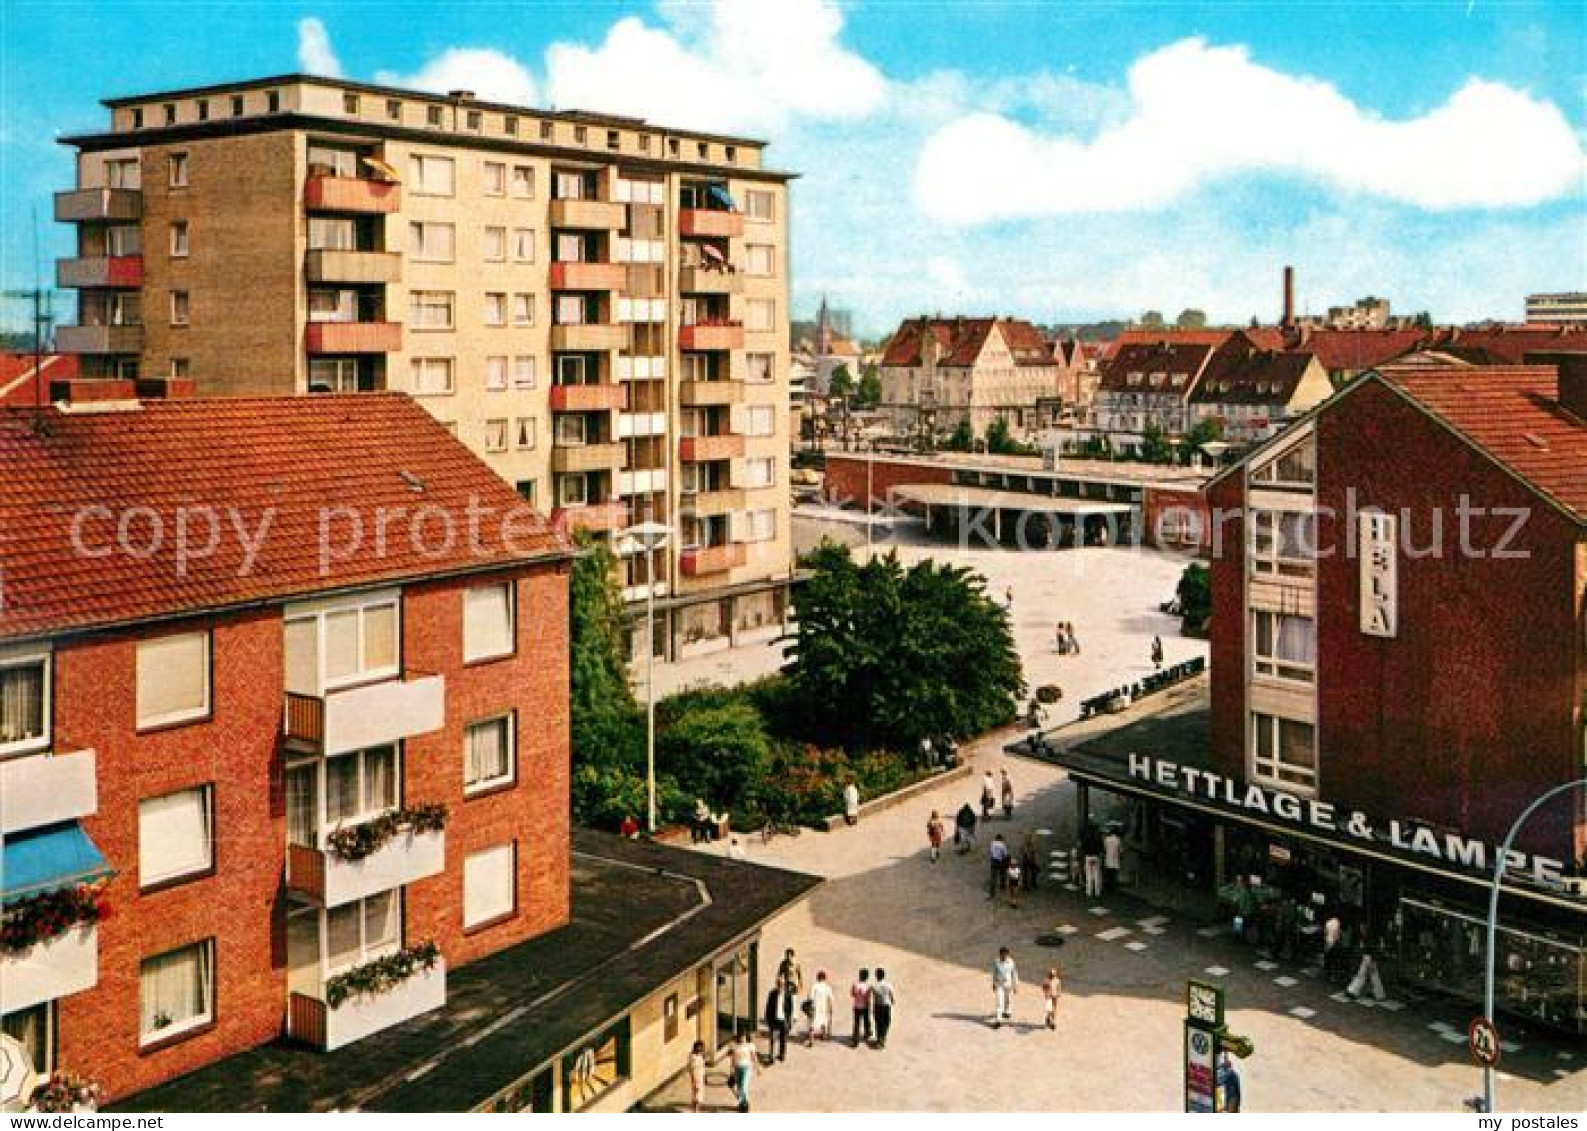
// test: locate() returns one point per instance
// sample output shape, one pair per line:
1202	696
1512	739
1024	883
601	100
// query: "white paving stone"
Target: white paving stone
1563	1055
1154	930
1135	944
1286	981
1453	1037
1264	965
1439	1026
1068	929
1100	911
1218	971
1303	1013
1113	934
1153	921
1341	997
1044	832
1391	1005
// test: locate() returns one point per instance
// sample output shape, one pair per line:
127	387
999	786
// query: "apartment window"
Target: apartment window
570	369
760	314
429	175
523	310
432	310
644	143
730	152
34	1029
394	109
495	244
572	186
572	490
495	435
203	109
1283	543
526	490
572	310
170	113
523	245
489	890
475	120
332	305
523	181
176	992
362	930
236	106
430	242
24	700
760	526
124	239
496	309
179	239
760	259
572	432
1283	751
672	146
523	372
350	103
361	785
612	139
432	115
524	433
703	150
760	420
546	131
760	204
1296	467
176	166
488	753
487	622
510	125
496	374
125	173
1284	645
173	679
175	836
345	642
272	101
332	233
759	472
333	375
181	367
137	117
495	178
761	367
580	135
432	376
333	160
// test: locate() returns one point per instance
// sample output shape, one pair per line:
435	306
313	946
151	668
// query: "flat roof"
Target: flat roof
1098	470
952	495
642	915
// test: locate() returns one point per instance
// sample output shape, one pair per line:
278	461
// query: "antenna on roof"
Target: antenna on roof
43	320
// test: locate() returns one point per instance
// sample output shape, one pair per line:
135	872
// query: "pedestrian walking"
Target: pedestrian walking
735	850
1060	640
1091	850
1367	975
743	1069
779	1019
1006	786
1112	858
964	828
1013	880
883	997
988	795
1029	861
1074	642
934	834
851	803
1228	1081
860	1001
696	1075
1008	597
790	970
820	1008
1157	652
1052	988
1005	983
997	860
1333	935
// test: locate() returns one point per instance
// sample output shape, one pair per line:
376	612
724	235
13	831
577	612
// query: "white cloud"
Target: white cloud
729	65
492	75
1200	113
315	56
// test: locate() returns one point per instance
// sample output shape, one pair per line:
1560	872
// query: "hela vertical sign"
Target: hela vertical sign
1377	541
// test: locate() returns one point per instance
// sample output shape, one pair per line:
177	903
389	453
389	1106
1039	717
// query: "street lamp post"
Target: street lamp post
648	537
1493	917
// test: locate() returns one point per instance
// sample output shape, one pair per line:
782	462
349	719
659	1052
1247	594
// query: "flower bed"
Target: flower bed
380	975
43	916
358	841
65	1091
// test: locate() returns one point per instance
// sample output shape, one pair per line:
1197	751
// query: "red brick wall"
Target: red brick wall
242	905
846	478
1156	502
1226	661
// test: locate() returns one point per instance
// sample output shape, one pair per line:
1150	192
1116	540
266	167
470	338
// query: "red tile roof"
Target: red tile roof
1512	413
1357	350
20	386
1241	372
1163	355
1509	345
302	463
960	341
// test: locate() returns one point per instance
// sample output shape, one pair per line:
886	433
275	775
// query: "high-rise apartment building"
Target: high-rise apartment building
597	306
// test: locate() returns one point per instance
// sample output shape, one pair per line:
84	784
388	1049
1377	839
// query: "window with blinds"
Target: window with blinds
487	622
24	701
488	753
173	679
489	891
334	646
175	837
176	991
363	930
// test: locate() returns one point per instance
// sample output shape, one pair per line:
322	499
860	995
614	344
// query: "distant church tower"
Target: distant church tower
823	330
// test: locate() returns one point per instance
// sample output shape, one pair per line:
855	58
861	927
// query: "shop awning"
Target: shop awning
386	172
41	860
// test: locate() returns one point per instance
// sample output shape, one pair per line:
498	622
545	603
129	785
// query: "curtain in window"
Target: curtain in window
173	677
1297	639
303	803
382	923
22	702
380	778
176	989
173	835
487	751
487	621
342	800
341	645
380	637
30	1028
343	947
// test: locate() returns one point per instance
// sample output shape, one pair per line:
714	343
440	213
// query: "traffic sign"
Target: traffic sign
1484	1039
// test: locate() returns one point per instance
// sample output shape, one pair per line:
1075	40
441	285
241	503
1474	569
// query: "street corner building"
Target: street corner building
596	306
285	787
1398	669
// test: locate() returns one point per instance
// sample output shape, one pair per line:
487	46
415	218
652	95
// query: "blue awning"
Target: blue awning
720	194
41	860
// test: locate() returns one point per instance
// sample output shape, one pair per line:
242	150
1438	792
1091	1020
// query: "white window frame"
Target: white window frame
524	434
324	824
493	913
181	308
206	948
754	306
493	591
147	834
422	303
751	478
1272	665
419	175
523	371
523	245
508	720
494	247
367	952
179	239
494	312
522	312
521	182
755	197
751	364
21	657
567	498
756	413
1266	549
178	166
321	611
420	238
422	365
493	176
760	260
171	718
496	373
1302	779
496	434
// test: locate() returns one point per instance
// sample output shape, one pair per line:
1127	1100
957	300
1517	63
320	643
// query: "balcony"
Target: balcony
98	204
332	881
99	339
589	398
352	337
709	281
710	222
701	561
705	504
100	271
46	789
589	276
323	265
697	394
631	424
711	336
312	1021
600	517
567	458
351	194
65	964
589	337
704	449
371	714
599	215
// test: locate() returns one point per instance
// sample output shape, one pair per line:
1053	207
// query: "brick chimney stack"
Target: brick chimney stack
1572	369
1288	319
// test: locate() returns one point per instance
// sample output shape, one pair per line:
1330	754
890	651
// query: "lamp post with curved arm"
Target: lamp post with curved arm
1493	915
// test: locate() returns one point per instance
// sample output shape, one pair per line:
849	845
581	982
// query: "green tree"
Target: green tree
1191	319
869	392
962	439
1152	320
1155	447
1422	321
1195	596
718	752
998	440
841	382
1205	431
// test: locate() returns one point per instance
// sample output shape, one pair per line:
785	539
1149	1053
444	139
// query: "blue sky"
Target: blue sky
1054	160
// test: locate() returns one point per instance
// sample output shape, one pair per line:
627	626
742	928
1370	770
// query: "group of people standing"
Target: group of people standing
1067	643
